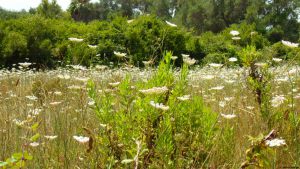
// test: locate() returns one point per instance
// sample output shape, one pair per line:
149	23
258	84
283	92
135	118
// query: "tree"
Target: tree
49	10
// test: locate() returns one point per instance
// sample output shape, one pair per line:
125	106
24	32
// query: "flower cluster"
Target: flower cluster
155	90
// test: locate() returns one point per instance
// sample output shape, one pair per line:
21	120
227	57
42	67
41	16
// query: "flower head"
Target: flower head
184	98
34	144
171	24
75	39
50	137
216	65
290	44
25	64
119	54
234	33
155	90
236	38
232	59
159	106
276	59
228	116
81	139
275	142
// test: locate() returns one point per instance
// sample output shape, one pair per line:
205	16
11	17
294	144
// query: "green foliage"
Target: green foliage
168	138
14	48
18	160
249	56
45	40
49	10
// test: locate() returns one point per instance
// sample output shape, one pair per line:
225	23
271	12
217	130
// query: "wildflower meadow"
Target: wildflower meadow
150	84
208	117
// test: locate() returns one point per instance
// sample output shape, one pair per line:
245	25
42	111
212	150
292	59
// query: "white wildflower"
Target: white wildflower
115	84
78	67
290	44
92	46
58	93
25	64
19	122
101	67
75	87
207	77
64	76
129	21
277	59
228	116
232	59
222	103
174	57
277	100
217	88
51	137
35	112
282	79
82	79
189	61
91	103
155	90
184	98
119	54
228	98
234	33
159	106
185	56
55	103
147	63
33	98
171	24
75	39
216	65
34	144
275	142
236	38
261	64
81	139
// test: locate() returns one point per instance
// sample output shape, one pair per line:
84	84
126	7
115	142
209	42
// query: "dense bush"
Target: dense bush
45	42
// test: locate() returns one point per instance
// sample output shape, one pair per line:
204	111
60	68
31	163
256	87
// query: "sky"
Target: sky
17	5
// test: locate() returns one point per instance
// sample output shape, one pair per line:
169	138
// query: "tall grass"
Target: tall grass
205	118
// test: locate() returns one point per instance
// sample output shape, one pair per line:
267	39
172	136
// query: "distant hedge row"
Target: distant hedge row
46	42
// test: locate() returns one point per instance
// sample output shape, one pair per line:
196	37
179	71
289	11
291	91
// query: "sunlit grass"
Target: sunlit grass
58	103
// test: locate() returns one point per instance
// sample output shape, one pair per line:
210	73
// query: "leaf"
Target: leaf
35	137
27	156
20	164
2	164
17	156
126	161
35	126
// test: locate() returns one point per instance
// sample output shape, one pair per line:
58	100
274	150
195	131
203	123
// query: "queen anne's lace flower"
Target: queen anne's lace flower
275	142
159	106
119	54
184	98
171	24
155	90
81	139
75	39
228	116
234	33
290	44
